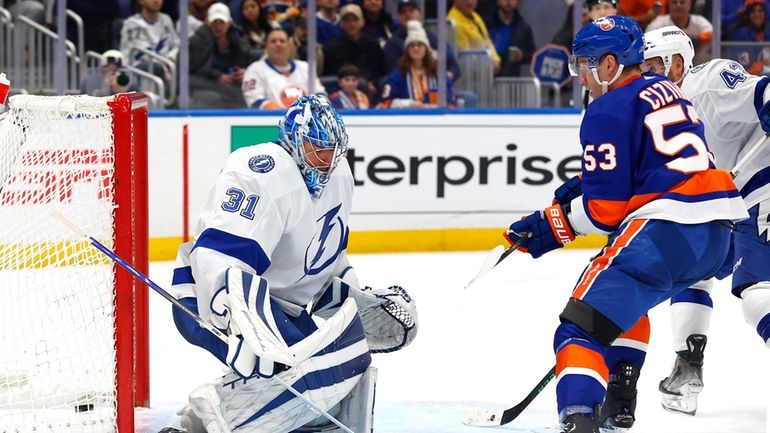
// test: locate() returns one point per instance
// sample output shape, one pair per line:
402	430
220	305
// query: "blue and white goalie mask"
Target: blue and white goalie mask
314	134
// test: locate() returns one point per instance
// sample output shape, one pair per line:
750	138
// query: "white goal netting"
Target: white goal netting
57	351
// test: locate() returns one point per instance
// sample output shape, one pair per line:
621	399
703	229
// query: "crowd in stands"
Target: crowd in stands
370	53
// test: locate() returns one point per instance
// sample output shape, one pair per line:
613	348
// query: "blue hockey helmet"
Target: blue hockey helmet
311	125
617	35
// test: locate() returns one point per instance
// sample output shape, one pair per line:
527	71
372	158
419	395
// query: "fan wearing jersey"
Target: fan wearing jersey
276	81
270	248
735	109
648	182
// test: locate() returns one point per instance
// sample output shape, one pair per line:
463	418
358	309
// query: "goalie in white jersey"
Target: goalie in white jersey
734	108
270	250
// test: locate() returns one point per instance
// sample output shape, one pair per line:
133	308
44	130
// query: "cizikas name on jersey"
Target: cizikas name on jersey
509	167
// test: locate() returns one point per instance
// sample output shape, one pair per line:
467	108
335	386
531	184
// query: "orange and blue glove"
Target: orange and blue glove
542	231
568	191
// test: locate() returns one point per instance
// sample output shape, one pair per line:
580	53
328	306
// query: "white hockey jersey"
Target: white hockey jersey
260	217
160	37
727	97
265	86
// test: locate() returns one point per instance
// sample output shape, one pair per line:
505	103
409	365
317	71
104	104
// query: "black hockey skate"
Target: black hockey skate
580	423
171	430
617	413
681	388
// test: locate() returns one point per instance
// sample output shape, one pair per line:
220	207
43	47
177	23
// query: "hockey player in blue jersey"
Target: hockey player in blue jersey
735	108
267	264
649	183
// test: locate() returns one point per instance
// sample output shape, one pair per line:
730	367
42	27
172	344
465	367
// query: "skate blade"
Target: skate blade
686	405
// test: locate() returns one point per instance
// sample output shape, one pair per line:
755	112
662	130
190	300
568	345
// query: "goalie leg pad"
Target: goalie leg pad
259	405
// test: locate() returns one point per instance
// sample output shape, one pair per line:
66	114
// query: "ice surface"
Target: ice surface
486	346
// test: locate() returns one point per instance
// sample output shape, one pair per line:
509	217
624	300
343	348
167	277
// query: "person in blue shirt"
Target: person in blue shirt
511	35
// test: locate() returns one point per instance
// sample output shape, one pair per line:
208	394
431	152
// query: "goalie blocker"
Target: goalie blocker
264	341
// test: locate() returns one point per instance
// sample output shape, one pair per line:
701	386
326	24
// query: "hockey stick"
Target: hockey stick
748	156
491	418
209	327
497	255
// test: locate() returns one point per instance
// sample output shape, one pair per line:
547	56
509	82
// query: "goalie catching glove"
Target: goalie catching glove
389	315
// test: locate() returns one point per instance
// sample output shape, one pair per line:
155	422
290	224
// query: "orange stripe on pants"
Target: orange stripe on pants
639	332
575	355
603	261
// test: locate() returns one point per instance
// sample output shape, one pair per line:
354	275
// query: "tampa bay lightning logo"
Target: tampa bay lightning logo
261	163
331	239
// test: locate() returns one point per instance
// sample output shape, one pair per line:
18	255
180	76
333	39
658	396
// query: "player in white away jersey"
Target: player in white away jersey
734	108
270	249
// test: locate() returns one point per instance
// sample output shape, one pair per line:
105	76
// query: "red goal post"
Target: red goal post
73	326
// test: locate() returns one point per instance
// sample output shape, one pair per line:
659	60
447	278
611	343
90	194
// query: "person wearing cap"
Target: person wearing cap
511	36
355	47
348	96
414	83
327	21
276	80
472	33
218	58
408	10
110	78
152	30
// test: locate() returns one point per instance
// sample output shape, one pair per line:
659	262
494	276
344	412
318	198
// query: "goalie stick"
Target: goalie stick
491	418
206	325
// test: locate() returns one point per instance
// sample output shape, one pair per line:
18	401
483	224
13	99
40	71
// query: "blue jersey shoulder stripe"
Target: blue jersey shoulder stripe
183	275
246	250
759	93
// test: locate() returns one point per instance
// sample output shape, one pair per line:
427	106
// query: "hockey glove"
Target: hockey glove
389	317
764	117
542	231
568	191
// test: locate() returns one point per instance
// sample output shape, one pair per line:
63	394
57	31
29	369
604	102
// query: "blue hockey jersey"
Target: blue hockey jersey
645	156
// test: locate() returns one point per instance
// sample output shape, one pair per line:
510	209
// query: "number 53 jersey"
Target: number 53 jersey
645	156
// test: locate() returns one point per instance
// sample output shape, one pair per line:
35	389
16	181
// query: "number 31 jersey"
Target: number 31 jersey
645	156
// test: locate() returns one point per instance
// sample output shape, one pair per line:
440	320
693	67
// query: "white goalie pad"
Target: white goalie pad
338	357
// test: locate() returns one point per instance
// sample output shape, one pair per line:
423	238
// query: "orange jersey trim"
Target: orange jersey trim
639	332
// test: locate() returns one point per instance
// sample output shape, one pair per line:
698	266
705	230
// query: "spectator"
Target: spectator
511	36
348	96
298	44
355	47
732	16
152	30
394	48
328	21
756	60
472	33
697	27
414	83
218	56
255	27
196	15
642	11
276	80
377	22
601	8
110	78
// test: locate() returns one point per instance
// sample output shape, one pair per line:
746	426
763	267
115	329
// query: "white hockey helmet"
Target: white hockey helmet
667	41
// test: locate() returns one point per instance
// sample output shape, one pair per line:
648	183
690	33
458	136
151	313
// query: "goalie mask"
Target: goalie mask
667	41
314	135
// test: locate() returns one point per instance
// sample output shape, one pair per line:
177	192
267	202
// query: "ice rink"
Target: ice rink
486	346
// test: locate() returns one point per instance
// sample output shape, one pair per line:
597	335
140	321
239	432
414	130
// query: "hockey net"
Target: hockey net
73	328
